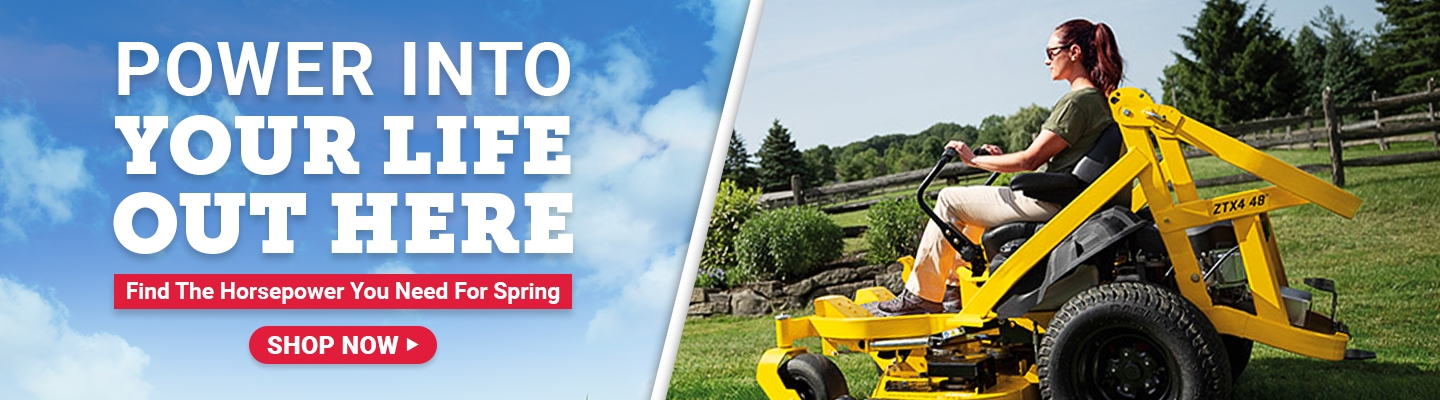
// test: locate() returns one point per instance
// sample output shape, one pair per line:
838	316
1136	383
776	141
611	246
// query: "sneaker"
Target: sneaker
904	304
952	299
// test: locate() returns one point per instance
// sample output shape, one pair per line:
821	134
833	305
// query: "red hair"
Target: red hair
1099	54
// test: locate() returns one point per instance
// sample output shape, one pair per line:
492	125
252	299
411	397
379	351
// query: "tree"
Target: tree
862	165
1337	61
1020	128
737	164
1014	132
1345	70
900	159
1407	52
992	131
779	160
820	161
1310	63
1241	67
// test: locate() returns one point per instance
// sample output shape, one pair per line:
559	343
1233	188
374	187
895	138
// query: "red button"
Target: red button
342	345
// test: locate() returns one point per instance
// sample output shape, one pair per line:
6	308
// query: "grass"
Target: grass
718	355
1385	262
853	218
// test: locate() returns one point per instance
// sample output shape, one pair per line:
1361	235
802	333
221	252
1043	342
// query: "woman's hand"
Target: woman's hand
967	155
962	150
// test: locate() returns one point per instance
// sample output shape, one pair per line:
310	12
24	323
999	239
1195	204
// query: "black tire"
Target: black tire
1238	349
1132	340
814	377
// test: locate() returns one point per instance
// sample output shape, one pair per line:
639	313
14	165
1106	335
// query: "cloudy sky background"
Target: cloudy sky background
647	83
835	72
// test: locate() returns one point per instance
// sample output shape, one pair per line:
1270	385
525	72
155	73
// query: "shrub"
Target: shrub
787	243
895	227
733	206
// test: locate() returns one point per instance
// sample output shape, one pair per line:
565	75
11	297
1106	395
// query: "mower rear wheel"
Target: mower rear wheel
1132	340
1238	349
814	377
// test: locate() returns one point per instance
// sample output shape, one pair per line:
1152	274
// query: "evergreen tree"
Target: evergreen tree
1345	70
1310	63
779	160
737	164
1241	67
1407	52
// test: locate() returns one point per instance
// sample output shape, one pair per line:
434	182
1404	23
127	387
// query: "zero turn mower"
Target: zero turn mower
1138	288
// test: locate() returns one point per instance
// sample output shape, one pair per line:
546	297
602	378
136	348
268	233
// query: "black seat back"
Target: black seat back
1105	153
1059	188
1062	187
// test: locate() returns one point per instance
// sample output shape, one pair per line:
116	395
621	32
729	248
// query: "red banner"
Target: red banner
342	345
342	291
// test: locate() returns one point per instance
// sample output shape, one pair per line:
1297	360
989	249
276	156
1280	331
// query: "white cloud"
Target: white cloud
392	267
637	172
47	359
40	177
649	294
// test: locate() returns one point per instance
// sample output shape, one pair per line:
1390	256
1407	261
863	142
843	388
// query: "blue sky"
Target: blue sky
837	71
647	83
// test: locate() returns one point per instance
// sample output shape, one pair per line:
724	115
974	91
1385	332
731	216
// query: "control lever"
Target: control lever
969	251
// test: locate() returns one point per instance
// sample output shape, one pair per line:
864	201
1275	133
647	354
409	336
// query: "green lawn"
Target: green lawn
1386	264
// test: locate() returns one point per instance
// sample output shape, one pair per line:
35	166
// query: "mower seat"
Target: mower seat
1054	187
1062	187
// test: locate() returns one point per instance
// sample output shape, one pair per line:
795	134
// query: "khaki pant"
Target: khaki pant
980	206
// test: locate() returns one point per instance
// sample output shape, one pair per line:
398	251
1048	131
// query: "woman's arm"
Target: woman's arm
1045	146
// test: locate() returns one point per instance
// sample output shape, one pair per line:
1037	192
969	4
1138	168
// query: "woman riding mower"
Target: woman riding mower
1079	52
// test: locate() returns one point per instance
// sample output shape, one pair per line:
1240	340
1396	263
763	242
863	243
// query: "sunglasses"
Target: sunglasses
1051	52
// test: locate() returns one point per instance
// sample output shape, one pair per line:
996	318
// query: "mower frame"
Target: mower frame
1153	168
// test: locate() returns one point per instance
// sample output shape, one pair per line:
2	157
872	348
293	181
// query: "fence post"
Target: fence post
1332	127
1435	135
1374	95
797	190
1289	133
1309	125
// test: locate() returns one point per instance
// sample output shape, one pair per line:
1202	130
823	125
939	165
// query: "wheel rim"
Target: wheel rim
805	391
1124	363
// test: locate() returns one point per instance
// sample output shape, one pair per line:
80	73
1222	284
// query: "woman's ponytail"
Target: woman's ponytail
1109	67
1100	55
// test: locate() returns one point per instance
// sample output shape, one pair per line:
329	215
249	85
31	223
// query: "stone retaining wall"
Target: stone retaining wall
766	297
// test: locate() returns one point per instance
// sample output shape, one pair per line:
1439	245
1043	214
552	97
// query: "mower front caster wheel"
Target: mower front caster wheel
814	377
1132	340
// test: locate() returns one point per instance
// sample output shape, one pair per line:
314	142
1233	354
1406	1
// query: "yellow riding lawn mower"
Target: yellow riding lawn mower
1138	288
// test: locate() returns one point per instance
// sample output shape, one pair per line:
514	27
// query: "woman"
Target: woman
1079	52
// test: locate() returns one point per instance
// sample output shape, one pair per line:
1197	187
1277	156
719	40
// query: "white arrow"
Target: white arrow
410	344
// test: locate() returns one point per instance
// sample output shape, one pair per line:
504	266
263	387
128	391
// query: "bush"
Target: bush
786	244
733	206
895	227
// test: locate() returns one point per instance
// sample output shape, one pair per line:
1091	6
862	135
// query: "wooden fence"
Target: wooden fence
1313	129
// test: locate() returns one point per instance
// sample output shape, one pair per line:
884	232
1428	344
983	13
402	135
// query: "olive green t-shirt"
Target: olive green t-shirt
1079	118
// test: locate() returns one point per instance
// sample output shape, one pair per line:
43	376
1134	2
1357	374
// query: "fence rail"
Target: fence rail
853	189
1314	128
